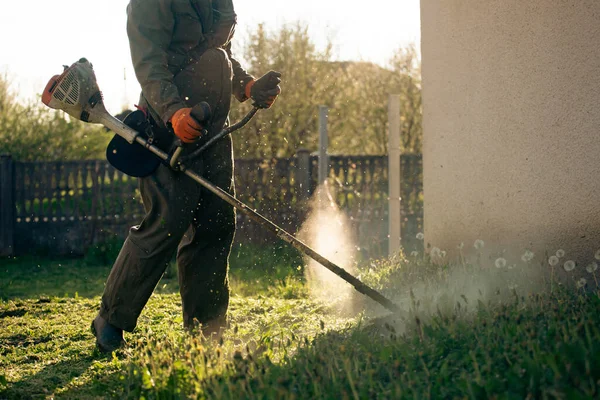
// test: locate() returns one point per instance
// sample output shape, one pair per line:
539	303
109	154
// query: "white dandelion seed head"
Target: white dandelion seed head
593	267
435	252
569	265
553	261
560	253
527	256
500	262
443	253
420	236
581	283
597	255
479	244
414	254
461	246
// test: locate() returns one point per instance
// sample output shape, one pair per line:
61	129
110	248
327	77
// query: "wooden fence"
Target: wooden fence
66	207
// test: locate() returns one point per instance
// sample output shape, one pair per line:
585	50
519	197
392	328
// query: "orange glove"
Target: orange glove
185	126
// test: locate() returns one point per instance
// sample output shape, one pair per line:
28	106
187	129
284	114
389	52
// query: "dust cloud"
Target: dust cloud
454	287
328	231
462	290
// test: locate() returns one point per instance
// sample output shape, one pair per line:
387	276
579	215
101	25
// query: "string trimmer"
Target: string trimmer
76	92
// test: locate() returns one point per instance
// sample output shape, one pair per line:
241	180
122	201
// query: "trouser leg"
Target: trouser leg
169	199
203	255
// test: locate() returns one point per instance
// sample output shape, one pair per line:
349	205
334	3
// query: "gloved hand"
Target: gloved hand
264	90
185	126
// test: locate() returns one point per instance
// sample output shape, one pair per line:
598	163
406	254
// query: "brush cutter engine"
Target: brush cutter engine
76	92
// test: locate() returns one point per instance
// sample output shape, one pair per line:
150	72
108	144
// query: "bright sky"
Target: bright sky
39	36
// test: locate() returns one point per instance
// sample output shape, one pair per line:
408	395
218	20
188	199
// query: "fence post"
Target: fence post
303	178
323	144
394	175
7	205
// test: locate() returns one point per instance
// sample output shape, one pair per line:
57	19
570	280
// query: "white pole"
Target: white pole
394	174
323	144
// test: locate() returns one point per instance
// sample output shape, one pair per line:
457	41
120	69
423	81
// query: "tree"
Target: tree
355	92
361	121
291	124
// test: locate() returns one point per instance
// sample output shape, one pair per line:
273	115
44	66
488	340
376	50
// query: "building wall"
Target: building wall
512	124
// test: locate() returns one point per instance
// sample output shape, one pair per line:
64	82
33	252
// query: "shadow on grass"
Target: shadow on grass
30	277
52	377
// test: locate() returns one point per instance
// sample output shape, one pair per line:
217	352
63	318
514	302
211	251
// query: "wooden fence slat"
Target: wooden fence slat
72	190
59	191
49	192
7	205
20	184
31	186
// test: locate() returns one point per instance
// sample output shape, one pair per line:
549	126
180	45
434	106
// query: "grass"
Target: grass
282	344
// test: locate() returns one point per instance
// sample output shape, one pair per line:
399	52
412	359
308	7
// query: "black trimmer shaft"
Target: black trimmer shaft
76	92
281	233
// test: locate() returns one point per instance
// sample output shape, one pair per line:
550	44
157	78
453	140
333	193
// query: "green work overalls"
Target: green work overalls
181	55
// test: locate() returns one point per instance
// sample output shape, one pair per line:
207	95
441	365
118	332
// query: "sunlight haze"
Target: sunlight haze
40	36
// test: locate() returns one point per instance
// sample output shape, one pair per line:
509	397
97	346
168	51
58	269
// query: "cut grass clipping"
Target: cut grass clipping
473	331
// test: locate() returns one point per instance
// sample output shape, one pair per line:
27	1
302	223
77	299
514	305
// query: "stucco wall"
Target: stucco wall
512	124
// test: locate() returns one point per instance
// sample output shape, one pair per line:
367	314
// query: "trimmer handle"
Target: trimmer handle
202	113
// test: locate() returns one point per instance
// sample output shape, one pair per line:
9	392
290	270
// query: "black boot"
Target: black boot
108	337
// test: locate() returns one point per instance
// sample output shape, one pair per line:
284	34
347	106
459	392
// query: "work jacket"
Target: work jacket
166	36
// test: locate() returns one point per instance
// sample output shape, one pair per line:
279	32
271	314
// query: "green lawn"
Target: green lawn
469	333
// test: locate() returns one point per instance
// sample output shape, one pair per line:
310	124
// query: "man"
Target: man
181	53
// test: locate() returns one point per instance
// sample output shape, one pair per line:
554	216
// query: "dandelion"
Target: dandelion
593	267
597	255
443	253
461	246
560	253
581	283
569	265
500	262
553	261
528	256
414	254
479	244
420	236
435	252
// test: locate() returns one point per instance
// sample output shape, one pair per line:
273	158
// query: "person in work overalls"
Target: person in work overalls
181	53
